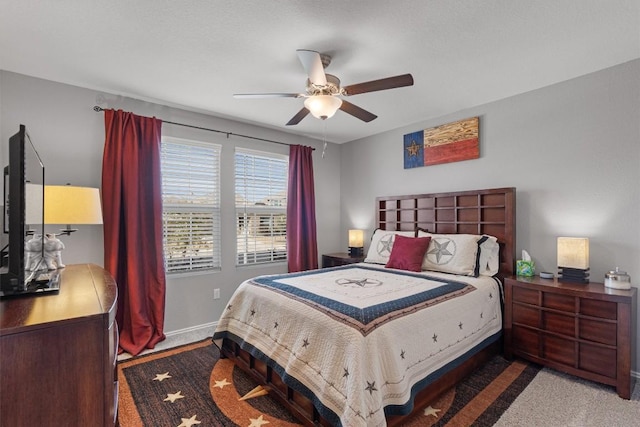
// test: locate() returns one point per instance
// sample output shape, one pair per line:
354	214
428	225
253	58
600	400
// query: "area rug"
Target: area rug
190	385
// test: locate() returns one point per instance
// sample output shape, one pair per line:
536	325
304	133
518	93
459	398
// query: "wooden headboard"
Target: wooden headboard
490	212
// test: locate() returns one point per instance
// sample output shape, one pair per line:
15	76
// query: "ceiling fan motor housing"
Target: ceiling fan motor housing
331	88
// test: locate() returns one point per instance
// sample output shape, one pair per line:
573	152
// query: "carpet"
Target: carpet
190	385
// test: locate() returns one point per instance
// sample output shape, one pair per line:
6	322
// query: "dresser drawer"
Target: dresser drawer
559	350
596	331
525	340
601	309
527	296
559	302
597	359
559	323
526	315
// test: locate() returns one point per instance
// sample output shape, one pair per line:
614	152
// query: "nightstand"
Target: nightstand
339	258
585	330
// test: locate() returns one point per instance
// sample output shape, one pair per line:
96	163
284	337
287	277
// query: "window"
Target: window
261	207
190	205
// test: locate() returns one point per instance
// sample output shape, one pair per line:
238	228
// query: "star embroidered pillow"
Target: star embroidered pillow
381	245
408	252
451	253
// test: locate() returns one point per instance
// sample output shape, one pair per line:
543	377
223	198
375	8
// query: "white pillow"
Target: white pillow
489	256
381	245
451	253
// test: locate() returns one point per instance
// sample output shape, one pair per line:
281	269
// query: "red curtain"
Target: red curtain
132	207
302	245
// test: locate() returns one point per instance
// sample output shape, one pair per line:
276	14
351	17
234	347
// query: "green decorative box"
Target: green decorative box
525	268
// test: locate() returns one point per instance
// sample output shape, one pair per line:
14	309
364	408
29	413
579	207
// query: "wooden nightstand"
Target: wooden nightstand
585	330
339	258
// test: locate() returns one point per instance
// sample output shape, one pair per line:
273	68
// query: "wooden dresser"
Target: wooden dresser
586	330
58	353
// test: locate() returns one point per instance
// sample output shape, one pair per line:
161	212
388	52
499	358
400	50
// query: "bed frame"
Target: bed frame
472	212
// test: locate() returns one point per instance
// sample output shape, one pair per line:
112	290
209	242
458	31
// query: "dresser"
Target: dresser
58	353
586	330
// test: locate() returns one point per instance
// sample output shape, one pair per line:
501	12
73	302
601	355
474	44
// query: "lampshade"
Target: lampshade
573	252
322	106
66	204
356	238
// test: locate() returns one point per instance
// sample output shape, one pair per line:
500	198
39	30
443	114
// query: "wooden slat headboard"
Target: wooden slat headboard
491	211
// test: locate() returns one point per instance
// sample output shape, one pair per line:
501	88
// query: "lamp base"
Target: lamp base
355	252
573	275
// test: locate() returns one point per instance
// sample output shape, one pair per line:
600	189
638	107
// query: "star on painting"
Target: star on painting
222	384
371	387
257	422
160	377
413	149
188	422
172	397
440	250
431	411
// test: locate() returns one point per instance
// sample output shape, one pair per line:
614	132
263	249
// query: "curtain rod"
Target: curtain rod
99	109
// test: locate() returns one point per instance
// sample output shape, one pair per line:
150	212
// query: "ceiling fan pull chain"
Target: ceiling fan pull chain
324	137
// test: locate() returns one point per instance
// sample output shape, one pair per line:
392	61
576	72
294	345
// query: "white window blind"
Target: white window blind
261	206
191	205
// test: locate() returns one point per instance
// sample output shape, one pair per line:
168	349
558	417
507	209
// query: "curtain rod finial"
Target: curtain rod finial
97	109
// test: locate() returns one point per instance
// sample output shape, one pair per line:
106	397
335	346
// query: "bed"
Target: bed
368	345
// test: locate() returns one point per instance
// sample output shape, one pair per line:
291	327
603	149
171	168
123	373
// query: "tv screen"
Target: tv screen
23	216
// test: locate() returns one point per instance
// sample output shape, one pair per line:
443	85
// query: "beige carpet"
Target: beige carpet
555	399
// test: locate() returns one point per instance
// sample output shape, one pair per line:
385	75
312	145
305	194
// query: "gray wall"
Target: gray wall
69	137
572	150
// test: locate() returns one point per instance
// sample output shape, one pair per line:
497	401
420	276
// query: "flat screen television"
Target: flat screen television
24	220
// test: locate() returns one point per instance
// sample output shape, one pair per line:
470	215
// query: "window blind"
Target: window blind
261	206
191	205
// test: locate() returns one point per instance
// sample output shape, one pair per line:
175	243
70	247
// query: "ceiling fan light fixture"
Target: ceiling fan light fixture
322	106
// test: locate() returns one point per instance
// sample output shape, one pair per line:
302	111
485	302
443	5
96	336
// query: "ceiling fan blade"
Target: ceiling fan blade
298	117
357	112
312	64
267	95
382	84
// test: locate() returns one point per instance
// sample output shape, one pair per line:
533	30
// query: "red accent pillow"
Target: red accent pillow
407	253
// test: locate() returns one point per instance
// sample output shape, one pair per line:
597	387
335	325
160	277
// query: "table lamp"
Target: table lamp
573	259
356	243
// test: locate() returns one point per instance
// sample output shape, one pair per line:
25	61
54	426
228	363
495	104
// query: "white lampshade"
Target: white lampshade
323	106
573	252
66	204
356	238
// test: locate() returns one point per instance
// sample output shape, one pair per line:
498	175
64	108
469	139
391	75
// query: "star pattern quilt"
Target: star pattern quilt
361	340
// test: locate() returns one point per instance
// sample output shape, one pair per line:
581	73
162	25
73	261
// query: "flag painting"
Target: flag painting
451	142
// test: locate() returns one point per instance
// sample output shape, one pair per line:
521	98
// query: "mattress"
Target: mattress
361	340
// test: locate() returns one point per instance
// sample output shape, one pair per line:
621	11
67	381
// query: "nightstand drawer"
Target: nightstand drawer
525	340
559	350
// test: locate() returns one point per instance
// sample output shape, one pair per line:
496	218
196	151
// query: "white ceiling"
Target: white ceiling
197	54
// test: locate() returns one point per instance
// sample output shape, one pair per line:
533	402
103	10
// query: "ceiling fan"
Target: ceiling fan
323	90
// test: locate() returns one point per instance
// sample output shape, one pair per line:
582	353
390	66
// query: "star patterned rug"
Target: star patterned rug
191	386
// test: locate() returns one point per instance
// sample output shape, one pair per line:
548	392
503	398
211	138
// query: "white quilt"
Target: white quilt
359	337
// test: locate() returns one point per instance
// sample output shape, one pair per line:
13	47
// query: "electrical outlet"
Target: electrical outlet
216	293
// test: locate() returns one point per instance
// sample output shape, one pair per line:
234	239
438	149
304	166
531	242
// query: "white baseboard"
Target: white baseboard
206	329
